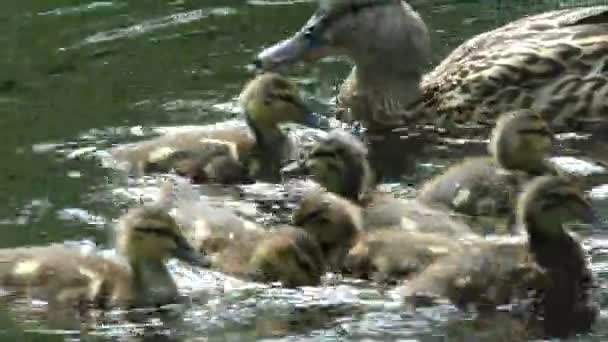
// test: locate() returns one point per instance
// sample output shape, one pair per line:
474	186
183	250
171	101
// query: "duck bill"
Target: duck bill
299	47
186	253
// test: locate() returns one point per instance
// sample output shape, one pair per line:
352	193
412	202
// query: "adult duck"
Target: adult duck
555	63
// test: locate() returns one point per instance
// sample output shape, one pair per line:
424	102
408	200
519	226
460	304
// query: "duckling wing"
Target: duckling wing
199	140
414	216
476	188
390	254
60	275
553	62
482	274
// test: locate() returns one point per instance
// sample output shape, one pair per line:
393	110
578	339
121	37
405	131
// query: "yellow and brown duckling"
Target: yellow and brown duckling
335	222
547	273
487	187
243	249
547	62
339	163
229	152
145	238
379	253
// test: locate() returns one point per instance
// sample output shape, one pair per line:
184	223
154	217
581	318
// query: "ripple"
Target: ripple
90	7
157	24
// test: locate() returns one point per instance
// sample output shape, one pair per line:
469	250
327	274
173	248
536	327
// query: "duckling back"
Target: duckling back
66	276
545	274
390	254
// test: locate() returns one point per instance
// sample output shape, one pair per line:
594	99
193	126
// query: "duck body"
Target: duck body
479	189
390	254
135	277
351	246
414	216
339	162
247	250
552	62
487	187
545	274
234	151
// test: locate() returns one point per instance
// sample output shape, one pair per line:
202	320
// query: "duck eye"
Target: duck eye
158	232
543	131
285	97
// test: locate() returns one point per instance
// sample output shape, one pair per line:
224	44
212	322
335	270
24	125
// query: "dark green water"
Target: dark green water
77	74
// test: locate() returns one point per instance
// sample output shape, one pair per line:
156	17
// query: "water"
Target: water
81	76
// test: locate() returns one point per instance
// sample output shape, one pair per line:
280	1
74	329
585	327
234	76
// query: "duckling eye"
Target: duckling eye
285	97
158	232
315	216
302	264
543	131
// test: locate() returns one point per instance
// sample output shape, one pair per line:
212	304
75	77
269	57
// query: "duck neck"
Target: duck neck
567	306
152	282
267	135
388	92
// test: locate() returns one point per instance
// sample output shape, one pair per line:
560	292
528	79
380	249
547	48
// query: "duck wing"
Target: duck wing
61	275
555	62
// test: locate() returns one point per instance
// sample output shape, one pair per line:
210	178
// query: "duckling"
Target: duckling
550	263
339	163
335	222
246	250
515	66
487	187
382	253
145	237
230	152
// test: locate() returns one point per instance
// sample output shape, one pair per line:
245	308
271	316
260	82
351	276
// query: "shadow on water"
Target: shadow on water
82	76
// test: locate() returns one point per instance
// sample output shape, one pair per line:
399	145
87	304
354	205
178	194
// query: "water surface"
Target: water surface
79	76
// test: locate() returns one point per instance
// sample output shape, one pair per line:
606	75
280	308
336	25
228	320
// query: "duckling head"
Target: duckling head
150	234
549	202
269	100
289	255
374	33
339	162
521	140
333	221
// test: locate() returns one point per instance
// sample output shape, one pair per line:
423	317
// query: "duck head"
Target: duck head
269	100
289	255
548	203
333	221
149	234
338	162
521	140
378	35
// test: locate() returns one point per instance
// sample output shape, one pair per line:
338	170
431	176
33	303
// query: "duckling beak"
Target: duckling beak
305	45
185	252
295	168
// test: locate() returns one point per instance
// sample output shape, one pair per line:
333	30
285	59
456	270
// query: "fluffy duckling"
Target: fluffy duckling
245	250
145	238
229	152
382	254
547	62
335	222
550	262
488	186
339	163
